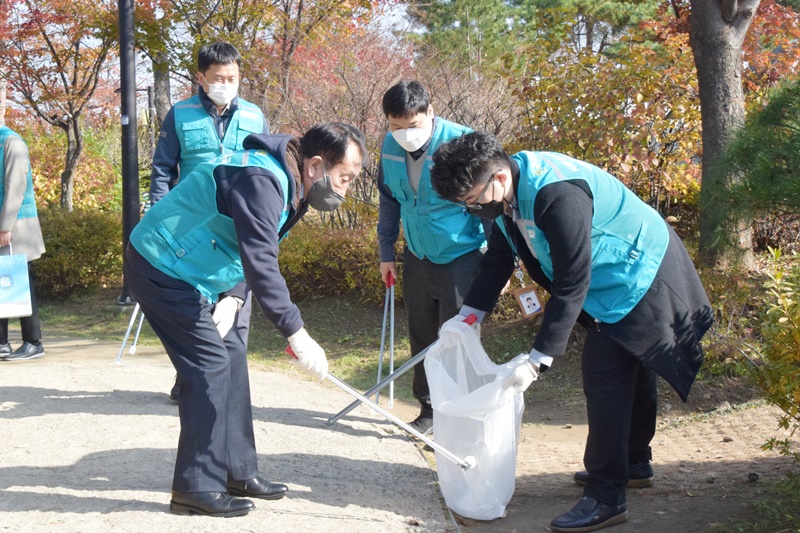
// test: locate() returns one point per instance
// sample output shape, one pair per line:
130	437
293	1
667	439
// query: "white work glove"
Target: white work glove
522	375
225	313
308	354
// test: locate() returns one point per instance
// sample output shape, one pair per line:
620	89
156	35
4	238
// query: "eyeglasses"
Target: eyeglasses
475	206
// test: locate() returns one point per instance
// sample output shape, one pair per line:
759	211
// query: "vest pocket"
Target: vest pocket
202	260
615	266
197	135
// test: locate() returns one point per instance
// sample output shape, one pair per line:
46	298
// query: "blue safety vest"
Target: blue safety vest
185	236
200	141
28	207
629	238
434	228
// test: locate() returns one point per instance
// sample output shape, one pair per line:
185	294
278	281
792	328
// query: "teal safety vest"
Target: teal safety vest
434	228
629	238
186	237
28	207
200	141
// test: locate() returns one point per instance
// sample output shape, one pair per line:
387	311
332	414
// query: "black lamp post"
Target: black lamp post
130	155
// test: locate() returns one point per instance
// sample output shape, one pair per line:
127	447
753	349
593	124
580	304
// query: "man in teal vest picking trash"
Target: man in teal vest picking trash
608	261
213	122
443	241
219	226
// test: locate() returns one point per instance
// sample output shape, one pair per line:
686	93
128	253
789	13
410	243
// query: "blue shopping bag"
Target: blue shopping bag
15	289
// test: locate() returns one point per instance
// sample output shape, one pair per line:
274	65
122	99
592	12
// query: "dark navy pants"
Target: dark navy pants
433	294
621	403
216	440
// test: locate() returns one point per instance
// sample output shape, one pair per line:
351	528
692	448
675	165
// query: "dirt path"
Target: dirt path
89	445
708	467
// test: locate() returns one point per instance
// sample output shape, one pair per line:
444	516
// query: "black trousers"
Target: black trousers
433	294
216	441
621	402
30	325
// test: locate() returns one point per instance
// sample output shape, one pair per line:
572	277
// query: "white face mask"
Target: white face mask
222	93
412	139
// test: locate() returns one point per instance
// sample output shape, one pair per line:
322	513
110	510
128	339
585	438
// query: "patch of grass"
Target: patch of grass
777	512
92	315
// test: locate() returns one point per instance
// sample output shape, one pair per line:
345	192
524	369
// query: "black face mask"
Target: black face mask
489	210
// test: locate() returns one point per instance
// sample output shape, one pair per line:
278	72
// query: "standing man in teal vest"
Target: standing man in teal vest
213	122
443	241
222	225
19	232
612	263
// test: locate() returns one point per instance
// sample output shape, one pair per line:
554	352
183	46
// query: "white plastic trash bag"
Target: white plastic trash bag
473	415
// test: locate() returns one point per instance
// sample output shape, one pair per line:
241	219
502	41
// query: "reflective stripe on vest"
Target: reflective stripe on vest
186	237
199	139
434	228
629	238
28	207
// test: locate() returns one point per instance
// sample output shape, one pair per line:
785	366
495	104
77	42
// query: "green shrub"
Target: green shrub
779	375
84	252
319	261
738	301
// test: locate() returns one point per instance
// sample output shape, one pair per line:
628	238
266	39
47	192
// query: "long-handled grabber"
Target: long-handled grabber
388	304
466	463
408	365
136	310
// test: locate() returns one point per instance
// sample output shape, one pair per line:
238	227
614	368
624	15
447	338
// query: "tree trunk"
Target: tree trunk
74	149
717	31
161	88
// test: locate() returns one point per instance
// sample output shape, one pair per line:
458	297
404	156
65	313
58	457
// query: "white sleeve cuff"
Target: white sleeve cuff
538	358
467	310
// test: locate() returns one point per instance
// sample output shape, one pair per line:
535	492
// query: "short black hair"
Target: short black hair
464	162
217	54
330	141
405	99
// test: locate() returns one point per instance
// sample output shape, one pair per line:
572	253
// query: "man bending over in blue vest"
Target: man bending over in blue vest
221	225
609	261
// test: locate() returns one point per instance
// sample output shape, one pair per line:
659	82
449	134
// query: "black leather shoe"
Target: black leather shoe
640	476
5	349
209	504
26	352
258	488
422	424
589	515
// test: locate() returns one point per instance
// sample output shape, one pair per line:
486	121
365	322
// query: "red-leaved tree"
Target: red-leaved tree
52	54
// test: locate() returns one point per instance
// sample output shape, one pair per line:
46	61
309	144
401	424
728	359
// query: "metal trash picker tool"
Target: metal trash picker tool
390	283
471	319
466	463
132	350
